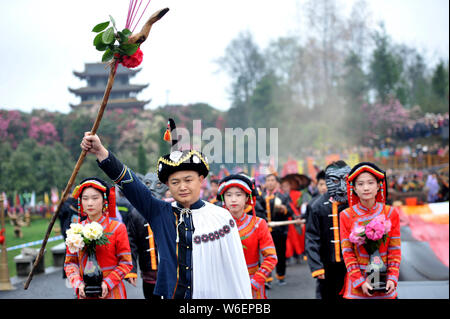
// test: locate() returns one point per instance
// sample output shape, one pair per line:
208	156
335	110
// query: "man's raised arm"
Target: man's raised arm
134	190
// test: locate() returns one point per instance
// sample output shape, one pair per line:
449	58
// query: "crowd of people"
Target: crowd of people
235	239
413	141
284	219
430	124
433	184
181	242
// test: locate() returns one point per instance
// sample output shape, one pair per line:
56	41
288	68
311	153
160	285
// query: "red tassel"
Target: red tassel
167	136
112	202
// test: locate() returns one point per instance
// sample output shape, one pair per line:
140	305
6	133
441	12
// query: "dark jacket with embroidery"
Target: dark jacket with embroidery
175	266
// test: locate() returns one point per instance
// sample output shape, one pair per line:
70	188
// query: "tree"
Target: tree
326	26
385	67
419	88
357	29
354	81
439	81
245	64
382	117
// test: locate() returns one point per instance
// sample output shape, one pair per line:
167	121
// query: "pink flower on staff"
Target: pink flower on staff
133	60
375	230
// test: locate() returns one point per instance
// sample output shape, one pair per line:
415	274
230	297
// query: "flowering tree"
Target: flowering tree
382	117
12	126
42	132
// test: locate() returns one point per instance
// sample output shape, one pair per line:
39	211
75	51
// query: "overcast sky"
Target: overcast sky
44	41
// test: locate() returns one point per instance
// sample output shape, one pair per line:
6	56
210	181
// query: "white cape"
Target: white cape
219	267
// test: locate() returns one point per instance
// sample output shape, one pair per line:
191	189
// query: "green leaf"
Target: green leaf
98	39
113	21
98	42
126	32
100	27
123	38
129	48
108	55
101	46
108	36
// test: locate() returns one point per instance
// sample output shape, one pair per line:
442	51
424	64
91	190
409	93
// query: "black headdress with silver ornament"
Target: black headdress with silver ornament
186	160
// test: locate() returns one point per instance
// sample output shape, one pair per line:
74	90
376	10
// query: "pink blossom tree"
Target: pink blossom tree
42	132
384	117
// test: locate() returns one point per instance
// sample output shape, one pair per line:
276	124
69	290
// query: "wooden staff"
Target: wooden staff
75	171
143	35
286	222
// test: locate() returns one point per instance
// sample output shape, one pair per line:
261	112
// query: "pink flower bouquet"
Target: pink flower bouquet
371	234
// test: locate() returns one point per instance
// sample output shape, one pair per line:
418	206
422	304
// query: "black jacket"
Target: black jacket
320	240
139	242
68	214
271	215
138	236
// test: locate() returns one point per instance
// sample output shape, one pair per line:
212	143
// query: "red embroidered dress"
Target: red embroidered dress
256	239
356	257
114	259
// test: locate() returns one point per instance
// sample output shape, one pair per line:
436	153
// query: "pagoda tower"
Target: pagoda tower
123	94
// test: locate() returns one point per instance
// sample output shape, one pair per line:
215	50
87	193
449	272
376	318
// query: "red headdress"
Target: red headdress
243	182
109	195
371	168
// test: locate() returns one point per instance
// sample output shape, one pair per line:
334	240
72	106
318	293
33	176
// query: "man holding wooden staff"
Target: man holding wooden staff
198	243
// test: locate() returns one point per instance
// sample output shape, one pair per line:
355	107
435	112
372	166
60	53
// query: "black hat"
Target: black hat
187	160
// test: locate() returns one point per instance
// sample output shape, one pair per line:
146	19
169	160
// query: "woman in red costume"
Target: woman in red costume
237	192
97	201
367	193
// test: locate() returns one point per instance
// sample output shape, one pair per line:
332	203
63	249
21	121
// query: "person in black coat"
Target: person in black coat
143	247
68	214
322	242
277	208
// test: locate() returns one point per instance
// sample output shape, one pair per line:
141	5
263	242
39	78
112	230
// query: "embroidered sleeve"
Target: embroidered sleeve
394	251
134	190
72	269
267	250
350	259
123	254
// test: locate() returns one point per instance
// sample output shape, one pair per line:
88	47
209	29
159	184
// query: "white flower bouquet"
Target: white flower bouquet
89	235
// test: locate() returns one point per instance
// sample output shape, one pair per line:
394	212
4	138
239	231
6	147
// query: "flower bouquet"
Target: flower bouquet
88	236
371	235
114	43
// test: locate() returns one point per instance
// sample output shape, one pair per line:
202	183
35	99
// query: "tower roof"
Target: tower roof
101	70
115	88
114	104
123	93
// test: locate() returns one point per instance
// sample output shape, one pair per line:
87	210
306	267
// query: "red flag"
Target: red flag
17	203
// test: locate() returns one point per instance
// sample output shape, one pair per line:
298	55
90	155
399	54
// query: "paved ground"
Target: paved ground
299	285
51	285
